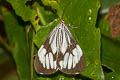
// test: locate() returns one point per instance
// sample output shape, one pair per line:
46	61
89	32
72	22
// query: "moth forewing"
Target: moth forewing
61	52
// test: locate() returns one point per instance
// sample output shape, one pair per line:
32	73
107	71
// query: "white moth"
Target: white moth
60	52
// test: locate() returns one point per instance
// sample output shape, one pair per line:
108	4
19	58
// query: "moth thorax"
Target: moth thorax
60	38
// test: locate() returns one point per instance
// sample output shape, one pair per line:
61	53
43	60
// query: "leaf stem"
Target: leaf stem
32	52
40	16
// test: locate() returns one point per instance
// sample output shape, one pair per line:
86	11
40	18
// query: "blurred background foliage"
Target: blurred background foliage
25	24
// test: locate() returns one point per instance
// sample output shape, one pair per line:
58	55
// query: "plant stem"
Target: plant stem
32	52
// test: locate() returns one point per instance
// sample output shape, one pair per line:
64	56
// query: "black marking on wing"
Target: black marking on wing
38	65
80	66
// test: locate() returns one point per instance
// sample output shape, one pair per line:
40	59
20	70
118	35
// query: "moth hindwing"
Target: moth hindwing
60	51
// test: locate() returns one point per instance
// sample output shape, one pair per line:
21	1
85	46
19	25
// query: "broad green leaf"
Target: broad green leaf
17	40
81	14
43	17
54	4
22	9
110	53
110	47
29	12
112	76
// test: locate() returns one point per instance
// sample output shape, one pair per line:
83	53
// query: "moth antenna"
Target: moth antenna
54	10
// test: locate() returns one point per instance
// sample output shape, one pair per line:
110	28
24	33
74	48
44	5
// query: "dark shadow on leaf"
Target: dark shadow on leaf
105	69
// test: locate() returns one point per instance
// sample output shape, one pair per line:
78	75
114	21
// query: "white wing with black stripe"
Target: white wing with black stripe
61	52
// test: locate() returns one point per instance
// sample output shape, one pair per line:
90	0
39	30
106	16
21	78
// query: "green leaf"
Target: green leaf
112	76
110	46
81	14
22	9
54	4
110	53
44	16
17	40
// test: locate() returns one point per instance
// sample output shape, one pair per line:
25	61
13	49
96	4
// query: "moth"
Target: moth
60	51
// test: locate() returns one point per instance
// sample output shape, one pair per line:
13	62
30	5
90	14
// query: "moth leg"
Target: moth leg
48	25
71	26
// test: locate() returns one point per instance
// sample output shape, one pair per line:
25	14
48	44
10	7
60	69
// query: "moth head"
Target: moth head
62	21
